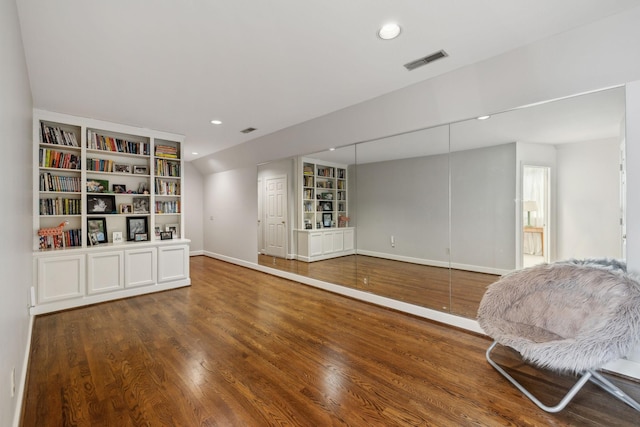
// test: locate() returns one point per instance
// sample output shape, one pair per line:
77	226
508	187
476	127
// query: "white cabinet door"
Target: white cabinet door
105	272
140	267
315	244
173	263
349	240
327	242
338	241
60	277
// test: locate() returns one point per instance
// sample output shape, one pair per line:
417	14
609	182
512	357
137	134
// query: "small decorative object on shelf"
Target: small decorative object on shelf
117	237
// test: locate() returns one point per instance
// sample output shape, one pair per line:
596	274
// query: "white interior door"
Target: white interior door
276	216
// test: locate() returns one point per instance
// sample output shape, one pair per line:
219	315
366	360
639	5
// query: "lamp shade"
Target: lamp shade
529	206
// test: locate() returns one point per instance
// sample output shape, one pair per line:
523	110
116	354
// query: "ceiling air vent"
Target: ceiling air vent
424	61
248	130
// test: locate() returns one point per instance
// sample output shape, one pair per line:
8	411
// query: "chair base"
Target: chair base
590	375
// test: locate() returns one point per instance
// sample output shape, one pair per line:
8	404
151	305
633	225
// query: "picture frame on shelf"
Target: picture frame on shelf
140	170
97	230
126	208
103	204
166	235
157	232
117	237
327	219
141	237
136	225
119	188
141	205
97	185
121	168
173	229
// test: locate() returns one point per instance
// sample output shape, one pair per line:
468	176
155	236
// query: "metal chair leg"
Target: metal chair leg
557	408
609	387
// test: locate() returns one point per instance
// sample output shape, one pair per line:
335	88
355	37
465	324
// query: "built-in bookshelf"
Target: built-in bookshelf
324	195
97	177
107	217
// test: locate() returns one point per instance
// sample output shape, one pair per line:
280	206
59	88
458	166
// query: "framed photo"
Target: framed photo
97	230
166	235
103	204
141	205
172	228
326	206
136	225
140	170
157	230
119	188
117	237
97	185
121	168
140	237
327	219
126	208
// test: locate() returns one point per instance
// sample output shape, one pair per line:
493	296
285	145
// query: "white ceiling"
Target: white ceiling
176	65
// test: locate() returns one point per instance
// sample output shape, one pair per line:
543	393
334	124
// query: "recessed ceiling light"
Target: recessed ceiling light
216	122
332	149
483	117
389	31
194	153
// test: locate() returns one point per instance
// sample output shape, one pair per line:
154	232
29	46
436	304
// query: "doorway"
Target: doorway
275	216
535	215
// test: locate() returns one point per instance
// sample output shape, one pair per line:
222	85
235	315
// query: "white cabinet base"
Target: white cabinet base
76	277
316	245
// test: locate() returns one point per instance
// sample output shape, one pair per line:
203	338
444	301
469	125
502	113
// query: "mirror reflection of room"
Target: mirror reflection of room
439	214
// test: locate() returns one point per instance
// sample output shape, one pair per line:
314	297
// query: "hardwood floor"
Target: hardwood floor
243	348
452	291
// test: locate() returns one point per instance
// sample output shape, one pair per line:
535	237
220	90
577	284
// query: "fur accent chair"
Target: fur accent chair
571	316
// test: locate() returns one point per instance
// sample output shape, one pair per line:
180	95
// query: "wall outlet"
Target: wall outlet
13	382
366	281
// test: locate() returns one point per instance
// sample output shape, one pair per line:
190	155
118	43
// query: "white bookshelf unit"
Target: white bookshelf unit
91	179
323	226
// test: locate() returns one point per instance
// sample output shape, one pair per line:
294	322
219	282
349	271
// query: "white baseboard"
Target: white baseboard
436	263
624	367
22	383
196	253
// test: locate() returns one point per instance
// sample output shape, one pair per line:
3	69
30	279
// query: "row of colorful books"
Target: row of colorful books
55	135
68	238
108	143
166	151
60	206
168	207
167	168
58	159
51	182
167	188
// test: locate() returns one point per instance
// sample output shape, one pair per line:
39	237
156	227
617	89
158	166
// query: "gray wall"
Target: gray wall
193	187
407	199
483	194
16	216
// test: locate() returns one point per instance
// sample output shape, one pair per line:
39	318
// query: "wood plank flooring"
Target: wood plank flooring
243	348
452	291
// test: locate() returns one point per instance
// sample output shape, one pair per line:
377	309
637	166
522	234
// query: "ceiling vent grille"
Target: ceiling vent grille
426	60
248	130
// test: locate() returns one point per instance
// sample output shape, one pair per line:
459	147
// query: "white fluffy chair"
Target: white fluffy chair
571	317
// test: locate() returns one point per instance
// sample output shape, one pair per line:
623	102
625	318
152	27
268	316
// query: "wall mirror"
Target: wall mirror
438	214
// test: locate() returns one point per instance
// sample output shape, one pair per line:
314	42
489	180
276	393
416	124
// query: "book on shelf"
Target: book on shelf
168	207
60	206
68	238
96	141
167	187
58	159
57	136
59	183
100	165
167	168
166	151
